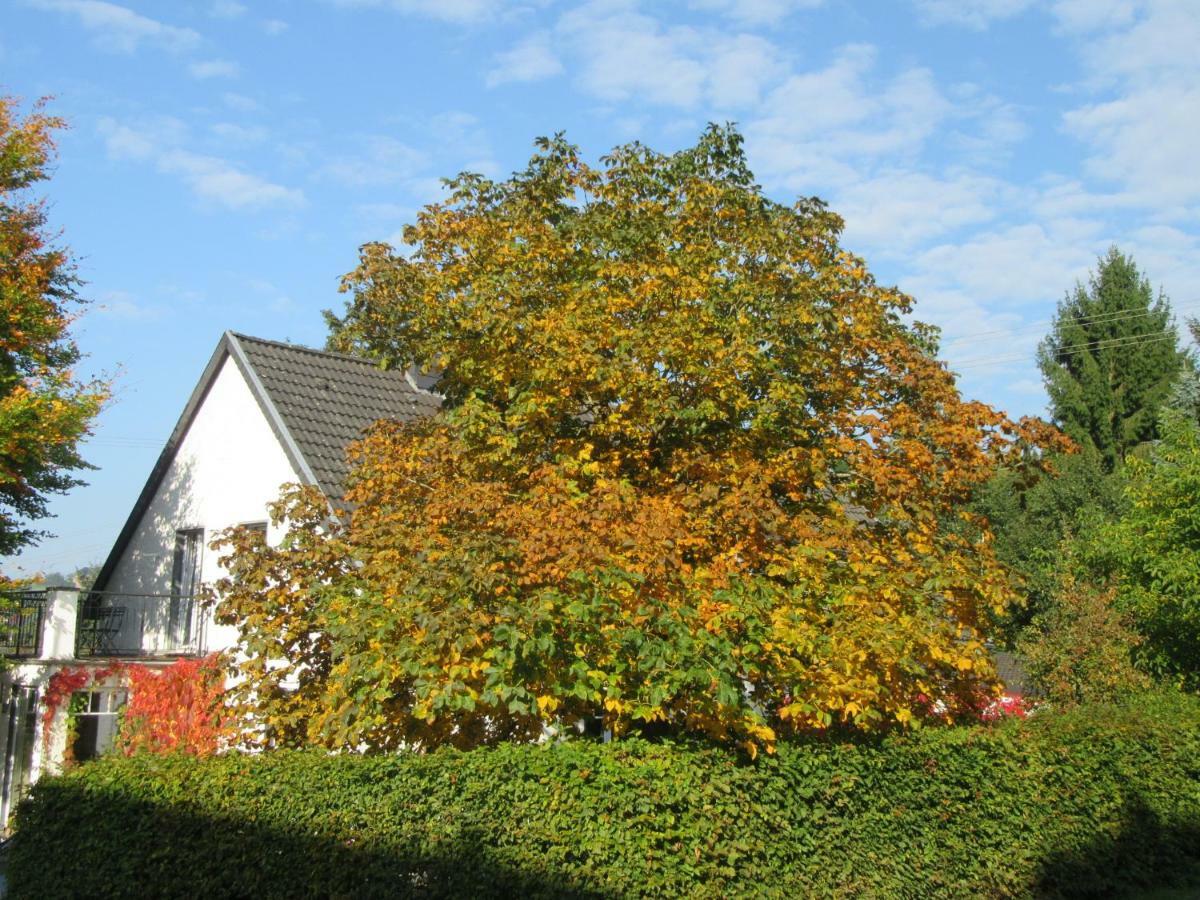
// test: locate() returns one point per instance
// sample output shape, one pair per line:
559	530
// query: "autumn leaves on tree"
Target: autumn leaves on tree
694	473
44	409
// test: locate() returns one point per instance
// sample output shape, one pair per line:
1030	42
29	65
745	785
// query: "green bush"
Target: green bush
1096	801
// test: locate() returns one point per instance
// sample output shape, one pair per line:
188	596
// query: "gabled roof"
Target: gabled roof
323	401
316	404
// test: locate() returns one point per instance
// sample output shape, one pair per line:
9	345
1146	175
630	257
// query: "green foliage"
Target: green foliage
44	409
1153	552
1111	359
1094	802
693	474
1185	393
1080	649
1032	512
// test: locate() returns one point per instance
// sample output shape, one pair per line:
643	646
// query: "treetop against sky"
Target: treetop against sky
226	159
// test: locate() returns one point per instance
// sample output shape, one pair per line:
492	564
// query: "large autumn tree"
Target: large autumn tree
44	409
692	474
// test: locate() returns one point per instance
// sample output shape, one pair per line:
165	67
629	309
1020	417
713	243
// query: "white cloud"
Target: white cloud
895	211
1145	142
462	12
214	180
1170	257
739	68
277	299
460	130
533	59
1140	130
274	27
1061	198
227	9
1159	42
383	160
977	14
219	181
624	55
987	129
214	68
144	142
119	29
1017	266
239	134
1086	15
756	12
239	102
123	305
818	130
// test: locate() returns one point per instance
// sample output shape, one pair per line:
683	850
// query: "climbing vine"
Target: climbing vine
62	687
176	708
179	708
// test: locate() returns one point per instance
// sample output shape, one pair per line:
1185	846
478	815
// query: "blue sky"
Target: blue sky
227	158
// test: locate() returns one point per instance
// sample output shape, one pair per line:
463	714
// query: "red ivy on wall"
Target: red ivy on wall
178	708
65	682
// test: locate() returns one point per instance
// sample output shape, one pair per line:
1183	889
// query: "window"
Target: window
185	580
260	527
95	715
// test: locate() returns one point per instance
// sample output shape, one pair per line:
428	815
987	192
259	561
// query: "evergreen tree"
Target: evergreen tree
1111	359
1185	394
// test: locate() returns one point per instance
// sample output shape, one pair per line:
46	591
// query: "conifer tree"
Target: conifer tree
1111	359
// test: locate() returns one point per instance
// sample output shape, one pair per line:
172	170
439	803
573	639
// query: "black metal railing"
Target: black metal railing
112	624
21	614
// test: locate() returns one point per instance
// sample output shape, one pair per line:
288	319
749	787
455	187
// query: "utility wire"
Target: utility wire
1109	342
1098	319
1135	341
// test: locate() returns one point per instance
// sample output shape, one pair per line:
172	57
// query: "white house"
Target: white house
263	414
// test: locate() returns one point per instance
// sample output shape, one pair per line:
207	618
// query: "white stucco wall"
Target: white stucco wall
227	468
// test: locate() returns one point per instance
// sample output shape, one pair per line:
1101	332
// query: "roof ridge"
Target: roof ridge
365	360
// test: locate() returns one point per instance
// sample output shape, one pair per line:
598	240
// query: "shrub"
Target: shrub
1096	800
1153	553
1080	649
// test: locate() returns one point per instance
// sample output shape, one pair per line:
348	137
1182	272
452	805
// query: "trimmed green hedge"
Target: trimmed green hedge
1098	801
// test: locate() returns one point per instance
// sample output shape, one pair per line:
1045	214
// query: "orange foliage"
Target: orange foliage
179	708
44	409
694	473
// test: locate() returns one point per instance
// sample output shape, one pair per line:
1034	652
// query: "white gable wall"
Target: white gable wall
227	468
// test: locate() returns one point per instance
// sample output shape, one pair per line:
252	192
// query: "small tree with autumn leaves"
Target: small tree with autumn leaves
44	409
693	474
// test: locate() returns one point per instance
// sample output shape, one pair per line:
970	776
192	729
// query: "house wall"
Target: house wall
228	467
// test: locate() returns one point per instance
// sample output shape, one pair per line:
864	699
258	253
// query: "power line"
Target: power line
1098	319
1107	342
1134	341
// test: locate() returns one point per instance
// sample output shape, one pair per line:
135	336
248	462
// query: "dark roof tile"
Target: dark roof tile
327	400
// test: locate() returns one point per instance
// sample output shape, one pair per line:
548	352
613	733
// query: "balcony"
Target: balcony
61	623
138	625
21	615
